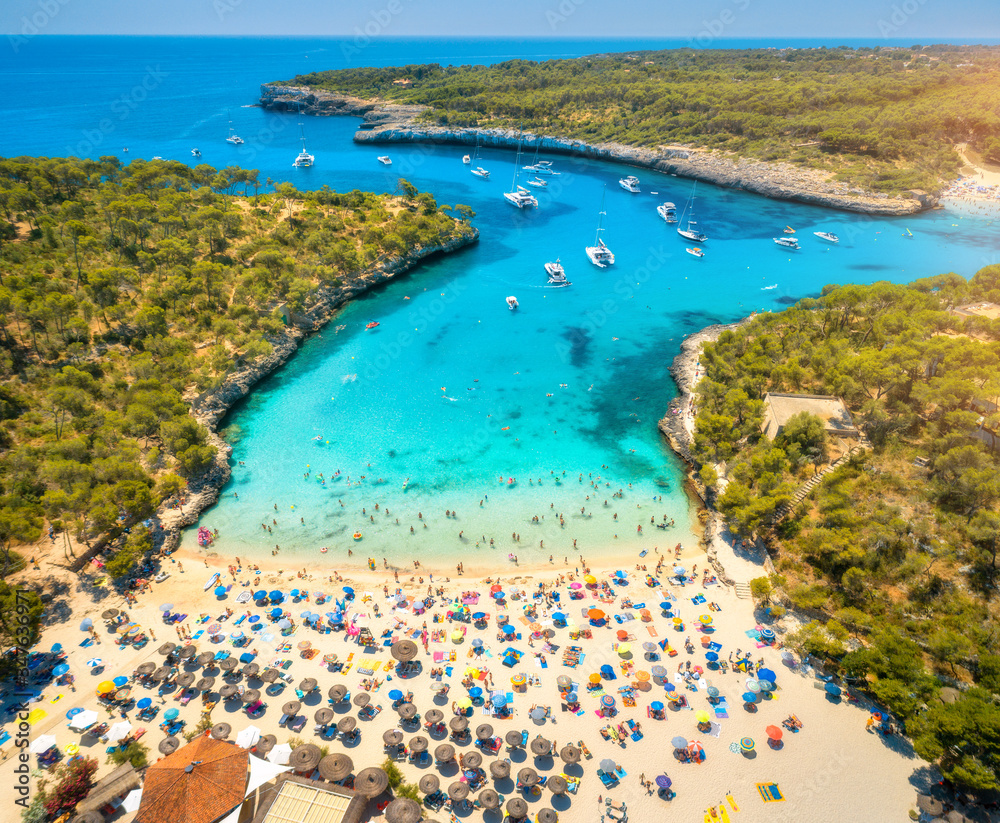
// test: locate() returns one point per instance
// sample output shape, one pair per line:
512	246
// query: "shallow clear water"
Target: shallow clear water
452	392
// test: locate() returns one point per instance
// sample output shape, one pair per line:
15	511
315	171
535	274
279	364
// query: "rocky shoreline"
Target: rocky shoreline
394	123
210	408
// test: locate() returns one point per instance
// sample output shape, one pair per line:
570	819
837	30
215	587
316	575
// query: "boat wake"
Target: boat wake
768	288
348	378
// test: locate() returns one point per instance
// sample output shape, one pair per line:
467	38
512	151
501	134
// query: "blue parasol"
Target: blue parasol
475	691
294	592
86	625
61	669
395	694
766	674
260	595
833	689
749	697
479	616
572	697
276	612
656	706
144	703
679	742
275	595
711	657
220	590
254	618
166	607
73	712
171	714
56	648
120	681
500	700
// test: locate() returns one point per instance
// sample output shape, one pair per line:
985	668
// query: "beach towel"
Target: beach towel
698	600
652	631
714	729
197	634
438	657
715	647
769	792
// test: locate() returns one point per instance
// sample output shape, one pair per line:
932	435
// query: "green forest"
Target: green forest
126	291
898	546
885	119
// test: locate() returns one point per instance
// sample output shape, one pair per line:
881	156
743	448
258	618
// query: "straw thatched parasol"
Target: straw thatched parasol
146	668
265	744
404	651
418	744
557	784
167	648
307	685
269	675
337	693
323	716
220	731
228	664
444	752
291	707
499	769
527	777
161	673
540	746
407	711
250	670
403	810
433	716
371	782
458	790
516	807
251	695
362	699
187	652
458	724
513	738
335	767
546	816
109	614
228	690
205	684
392	737
489	799
484	731
930	805
569	754
204	658
168	745
472	760
305	757
185	679
346	724
429	783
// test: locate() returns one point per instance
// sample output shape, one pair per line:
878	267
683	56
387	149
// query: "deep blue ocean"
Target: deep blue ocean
452	395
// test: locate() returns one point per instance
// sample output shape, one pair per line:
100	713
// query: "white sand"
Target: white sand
832	769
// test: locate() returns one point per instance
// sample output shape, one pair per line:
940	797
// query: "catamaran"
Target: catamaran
830	237
233	138
305	158
557	275
600	255
786	242
668	211
691	233
630	183
518	195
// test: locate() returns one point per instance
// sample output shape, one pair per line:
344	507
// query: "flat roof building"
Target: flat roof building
780	408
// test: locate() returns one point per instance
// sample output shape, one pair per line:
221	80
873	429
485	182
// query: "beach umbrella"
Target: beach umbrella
371	782
205	684
659	671
767	685
346	724
434	716
395	694
407	711
171	714
472	760
160	674
679	742
144	703
537	713
705	619
509	630
608	701
767	635
168	745
624	649
291	707
752	685
513	738
746	744
323	716
215	628
540	747
307	685
61	669
557	784
86	625
105	687
266	743
766	674
527	777
248	737
608	765
221	731
595	614
403	810
335	767
119	730
569	754
576	586
713	692
269	675
679	571
122	694
500	769
458	790
275	595
418	744
475	691
749	697
458	724
711	657
564	681
429	783
773	732
228	690
187	652
489	799
701	716
337	693
220	590
656	706
166	607
500	700
695	747
642	676
251	696
42	744
516	807
930	805
305	757
484	731
185	679
392	737
649	646
444	753
833	689
548	815
260	595
228	664
83	719
205	658
109	614
666	605
663	782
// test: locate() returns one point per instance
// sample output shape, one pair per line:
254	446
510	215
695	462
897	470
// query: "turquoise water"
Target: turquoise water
452	392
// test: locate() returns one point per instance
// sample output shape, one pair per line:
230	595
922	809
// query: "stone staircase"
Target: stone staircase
742	590
803	491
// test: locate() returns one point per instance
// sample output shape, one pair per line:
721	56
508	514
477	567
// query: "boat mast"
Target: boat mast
600	217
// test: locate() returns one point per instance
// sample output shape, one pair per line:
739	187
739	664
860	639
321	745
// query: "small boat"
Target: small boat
479	171
371	325
830	237
304	159
467	159
233	138
385	160
538	184
786	242
668	211
907	234
696	252
691	233
541	166
196	152
789	230
125	149
557	275
600	255
518	195
512	303
630	183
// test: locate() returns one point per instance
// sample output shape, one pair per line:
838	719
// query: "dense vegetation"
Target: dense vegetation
125	291
898	547
883	118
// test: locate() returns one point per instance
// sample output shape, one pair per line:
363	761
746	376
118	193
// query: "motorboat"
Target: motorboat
830	237
691	232
371	325
234	138
695	251
668	211
512	303
557	275
786	242
385	160
304	158
196	152
479	171
630	183
467	159
789	230
600	255
538	184
541	166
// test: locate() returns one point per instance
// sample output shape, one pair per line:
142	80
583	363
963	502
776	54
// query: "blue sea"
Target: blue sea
453	403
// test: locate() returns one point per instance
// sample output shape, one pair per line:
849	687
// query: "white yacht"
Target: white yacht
630	183
385	160
233	138
556	273
830	237
196	152
512	303
668	211
600	255
541	166
786	242
467	160
518	195
305	158
538	184
695	251
479	171
691	232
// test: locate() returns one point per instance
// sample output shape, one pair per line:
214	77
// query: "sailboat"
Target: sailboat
233	138
518	195
479	171
305	158
691	233
600	255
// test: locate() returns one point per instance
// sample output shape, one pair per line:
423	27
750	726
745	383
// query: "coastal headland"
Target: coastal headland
385	122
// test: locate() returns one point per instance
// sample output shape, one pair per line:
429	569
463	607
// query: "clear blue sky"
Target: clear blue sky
956	20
